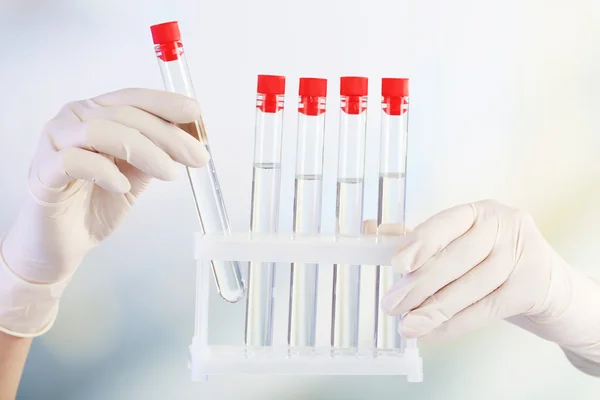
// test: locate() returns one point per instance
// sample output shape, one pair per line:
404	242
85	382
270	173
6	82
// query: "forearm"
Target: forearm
13	353
575	327
584	353
27	310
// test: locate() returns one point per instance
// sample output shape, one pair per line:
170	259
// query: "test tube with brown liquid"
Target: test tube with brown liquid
203	181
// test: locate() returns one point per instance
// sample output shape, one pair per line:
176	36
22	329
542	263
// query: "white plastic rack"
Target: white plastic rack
369	251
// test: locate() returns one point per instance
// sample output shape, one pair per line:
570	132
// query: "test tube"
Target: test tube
392	191
265	205
307	207
349	207
203	181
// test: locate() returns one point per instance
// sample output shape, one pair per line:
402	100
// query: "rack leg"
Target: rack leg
199	349
203	294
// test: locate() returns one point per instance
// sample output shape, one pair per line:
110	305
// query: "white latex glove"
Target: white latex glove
470	265
94	159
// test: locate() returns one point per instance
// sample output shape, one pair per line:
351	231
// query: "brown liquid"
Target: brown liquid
195	129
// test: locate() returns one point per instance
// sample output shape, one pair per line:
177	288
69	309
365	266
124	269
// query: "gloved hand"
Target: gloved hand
470	265
94	159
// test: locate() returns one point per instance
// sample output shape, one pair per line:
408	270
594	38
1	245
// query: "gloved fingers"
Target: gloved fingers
432	236
487	310
444	268
370	227
116	140
171	107
396	229
60	168
473	286
138	179
179	145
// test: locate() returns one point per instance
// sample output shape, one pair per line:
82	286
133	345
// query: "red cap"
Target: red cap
313	87
354	86
271	84
164	33
394	87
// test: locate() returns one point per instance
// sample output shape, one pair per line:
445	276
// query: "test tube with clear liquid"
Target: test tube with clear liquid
349	207
203	181
264	218
307	208
392	192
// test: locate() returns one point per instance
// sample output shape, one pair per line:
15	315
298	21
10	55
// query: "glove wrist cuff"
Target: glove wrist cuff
575	326
27	309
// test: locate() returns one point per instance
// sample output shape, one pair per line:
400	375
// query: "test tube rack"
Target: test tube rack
369	251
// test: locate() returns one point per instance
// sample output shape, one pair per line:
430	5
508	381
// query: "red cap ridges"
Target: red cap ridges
354	86
166	32
313	87
394	87
271	84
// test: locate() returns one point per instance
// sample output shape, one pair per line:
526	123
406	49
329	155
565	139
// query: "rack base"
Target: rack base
232	360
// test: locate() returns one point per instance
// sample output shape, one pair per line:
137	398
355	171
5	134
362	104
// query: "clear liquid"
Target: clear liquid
303	305
259	309
392	196
261	277
346	300
304	277
213	219
349	206
386	326
346	279
307	204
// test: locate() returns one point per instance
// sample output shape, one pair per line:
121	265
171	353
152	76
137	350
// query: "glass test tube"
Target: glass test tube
307	208
349	207
265	205
203	181
392	191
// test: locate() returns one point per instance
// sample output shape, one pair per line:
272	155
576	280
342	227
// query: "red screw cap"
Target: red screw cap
312	92
394	87
354	86
164	33
313	87
271	84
